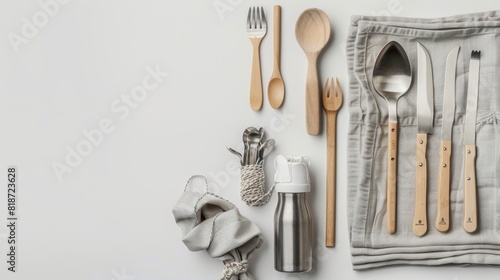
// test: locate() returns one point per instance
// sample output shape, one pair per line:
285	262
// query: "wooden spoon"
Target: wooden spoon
312	32
276	88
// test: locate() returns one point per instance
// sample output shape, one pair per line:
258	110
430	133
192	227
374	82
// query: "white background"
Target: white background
110	217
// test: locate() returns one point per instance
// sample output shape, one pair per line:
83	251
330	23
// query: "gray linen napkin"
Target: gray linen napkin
371	245
209	222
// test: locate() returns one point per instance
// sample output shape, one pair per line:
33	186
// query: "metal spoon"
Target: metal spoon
246	141
392	78
262	135
253	146
265	149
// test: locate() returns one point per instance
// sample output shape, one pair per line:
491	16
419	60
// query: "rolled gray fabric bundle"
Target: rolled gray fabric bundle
371	245
209	222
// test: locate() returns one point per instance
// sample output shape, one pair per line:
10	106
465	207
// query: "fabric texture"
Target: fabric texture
209	222
371	245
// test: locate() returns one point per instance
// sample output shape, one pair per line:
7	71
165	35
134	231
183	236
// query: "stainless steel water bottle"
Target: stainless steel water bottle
292	219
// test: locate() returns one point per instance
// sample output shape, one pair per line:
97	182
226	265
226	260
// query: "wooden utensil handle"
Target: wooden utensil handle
330	177
470	207
256	79
312	97
277	34
420	216
392	159
443	195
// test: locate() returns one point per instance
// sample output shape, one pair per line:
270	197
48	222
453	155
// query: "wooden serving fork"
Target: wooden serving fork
332	100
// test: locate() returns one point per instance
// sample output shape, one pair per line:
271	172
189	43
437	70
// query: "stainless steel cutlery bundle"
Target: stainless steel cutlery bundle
391	79
256	148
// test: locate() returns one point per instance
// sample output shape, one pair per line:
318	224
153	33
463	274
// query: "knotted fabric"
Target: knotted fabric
209	222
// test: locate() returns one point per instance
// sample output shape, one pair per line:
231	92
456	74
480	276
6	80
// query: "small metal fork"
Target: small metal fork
256	30
332	100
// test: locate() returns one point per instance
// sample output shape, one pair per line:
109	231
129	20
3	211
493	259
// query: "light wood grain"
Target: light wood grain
332	101
331	166
391	191
313	119
312	32
420	214
276	87
256	94
277	34
470	200
443	194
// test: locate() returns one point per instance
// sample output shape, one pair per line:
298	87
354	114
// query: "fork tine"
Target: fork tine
259	17
332	87
325	89
338	91
264	23
252	19
249	18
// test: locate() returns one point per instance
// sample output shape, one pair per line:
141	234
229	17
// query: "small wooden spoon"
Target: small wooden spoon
276	88
312	32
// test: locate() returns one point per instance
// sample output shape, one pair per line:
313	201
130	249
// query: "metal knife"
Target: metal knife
425	116
470	207
443	196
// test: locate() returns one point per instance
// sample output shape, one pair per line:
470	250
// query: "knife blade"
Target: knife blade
470	203
425	115
443	196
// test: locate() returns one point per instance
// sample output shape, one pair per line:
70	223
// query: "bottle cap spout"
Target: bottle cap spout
292	174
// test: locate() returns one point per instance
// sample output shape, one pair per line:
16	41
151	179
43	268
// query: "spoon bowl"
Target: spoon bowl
392	74
265	149
312	30
276	91
392	78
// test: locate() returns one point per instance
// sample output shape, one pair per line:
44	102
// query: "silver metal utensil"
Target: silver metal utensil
443	195
236	153
265	149
253	147
470	203
392	78
246	152
425	117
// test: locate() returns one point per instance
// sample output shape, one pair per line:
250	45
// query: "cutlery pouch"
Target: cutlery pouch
209	222
371	245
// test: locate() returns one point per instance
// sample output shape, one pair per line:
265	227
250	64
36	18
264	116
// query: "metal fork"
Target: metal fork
256	30
332	100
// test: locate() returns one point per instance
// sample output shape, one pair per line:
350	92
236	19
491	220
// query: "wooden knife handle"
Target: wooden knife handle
392	159
420	217
312	96
470	207
256	94
330	178
443	195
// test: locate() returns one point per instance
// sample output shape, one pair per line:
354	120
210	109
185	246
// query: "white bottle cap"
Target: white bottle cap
292	174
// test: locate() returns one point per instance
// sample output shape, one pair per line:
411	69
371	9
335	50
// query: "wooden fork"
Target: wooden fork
332	100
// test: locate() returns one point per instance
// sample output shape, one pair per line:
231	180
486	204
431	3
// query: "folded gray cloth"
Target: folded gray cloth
371	245
209	222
